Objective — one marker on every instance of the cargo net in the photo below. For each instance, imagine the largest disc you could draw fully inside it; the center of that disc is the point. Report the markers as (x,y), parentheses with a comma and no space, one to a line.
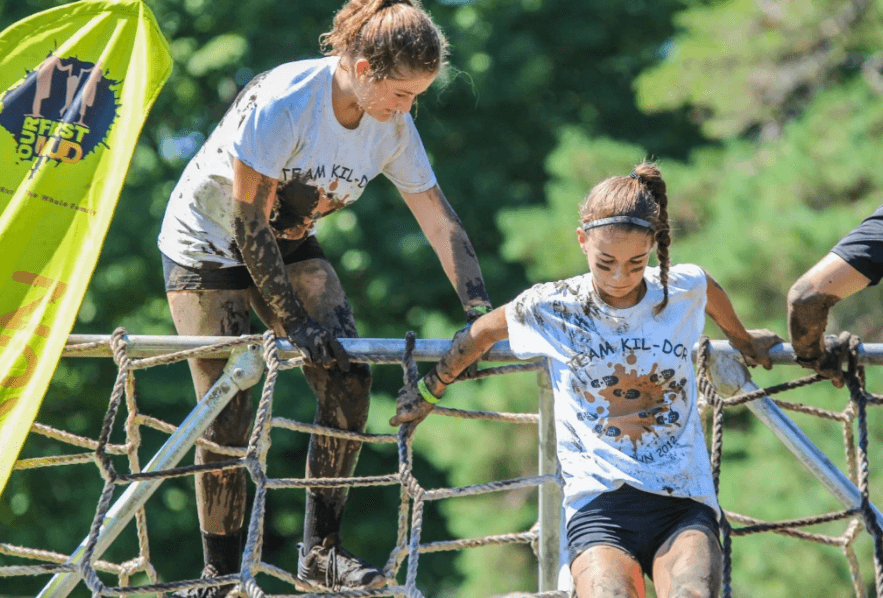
(253,459)
(413,495)
(855,413)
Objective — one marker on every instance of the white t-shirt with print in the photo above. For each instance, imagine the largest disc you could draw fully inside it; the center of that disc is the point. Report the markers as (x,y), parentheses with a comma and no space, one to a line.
(283,126)
(623,384)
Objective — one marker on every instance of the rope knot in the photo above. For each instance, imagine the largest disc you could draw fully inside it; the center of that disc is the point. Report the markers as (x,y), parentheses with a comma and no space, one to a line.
(119,347)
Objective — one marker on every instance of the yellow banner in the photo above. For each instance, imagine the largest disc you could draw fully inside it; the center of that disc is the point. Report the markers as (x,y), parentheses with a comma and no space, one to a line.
(76,83)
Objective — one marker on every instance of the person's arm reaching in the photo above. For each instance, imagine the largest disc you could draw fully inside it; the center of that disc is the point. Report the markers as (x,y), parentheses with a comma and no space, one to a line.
(253,197)
(445,234)
(753,344)
(416,400)
(811,298)
(809,301)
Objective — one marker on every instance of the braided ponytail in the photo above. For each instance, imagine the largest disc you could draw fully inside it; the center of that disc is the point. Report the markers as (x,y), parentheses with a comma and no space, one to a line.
(650,175)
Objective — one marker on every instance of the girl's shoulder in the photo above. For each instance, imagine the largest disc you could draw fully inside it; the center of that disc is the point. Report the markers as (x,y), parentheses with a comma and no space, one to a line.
(306,66)
(293,79)
(685,277)
(559,290)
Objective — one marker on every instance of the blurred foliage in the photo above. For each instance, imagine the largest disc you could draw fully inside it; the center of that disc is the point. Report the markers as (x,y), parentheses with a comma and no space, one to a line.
(747,64)
(766,118)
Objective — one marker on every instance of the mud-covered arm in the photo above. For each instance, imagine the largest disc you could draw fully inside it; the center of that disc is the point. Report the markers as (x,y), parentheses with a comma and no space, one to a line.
(415,401)
(811,298)
(253,197)
(753,344)
(445,233)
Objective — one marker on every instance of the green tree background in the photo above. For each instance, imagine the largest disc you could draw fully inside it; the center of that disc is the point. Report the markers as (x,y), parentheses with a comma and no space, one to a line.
(766,117)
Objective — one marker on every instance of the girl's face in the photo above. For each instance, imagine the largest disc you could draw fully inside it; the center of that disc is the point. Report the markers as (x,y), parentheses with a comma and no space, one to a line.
(381,99)
(617,259)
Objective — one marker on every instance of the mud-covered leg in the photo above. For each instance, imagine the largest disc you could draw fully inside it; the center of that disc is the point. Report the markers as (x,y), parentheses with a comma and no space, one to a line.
(343,404)
(220,496)
(343,399)
(689,565)
(342,396)
(603,571)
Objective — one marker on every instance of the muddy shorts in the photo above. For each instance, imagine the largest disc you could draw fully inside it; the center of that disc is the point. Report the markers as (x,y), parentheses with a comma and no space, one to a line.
(234,278)
(637,522)
(862,248)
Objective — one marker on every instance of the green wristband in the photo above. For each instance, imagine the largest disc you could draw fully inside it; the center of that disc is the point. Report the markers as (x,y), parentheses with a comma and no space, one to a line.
(481,309)
(424,392)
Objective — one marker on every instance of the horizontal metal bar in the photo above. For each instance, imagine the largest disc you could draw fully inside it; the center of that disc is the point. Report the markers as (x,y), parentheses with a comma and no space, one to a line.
(783,353)
(379,350)
(382,350)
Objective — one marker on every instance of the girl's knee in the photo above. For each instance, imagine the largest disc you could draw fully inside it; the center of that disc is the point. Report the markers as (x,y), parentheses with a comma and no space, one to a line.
(694,592)
(695,585)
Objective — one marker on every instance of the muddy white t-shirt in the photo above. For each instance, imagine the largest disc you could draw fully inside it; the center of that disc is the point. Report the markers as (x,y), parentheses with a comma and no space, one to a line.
(623,384)
(283,125)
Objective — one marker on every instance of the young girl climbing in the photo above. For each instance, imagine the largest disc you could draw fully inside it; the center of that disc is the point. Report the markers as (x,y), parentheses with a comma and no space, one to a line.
(300,142)
(639,496)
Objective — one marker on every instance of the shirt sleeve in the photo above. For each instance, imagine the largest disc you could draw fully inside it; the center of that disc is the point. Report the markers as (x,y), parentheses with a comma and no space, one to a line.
(409,169)
(528,337)
(265,139)
(862,248)
(688,278)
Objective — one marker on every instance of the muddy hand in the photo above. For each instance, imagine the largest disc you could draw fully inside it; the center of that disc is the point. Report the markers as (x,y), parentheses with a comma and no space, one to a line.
(410,406)
(317,344)
(830,367)
(758,352)
(830,363)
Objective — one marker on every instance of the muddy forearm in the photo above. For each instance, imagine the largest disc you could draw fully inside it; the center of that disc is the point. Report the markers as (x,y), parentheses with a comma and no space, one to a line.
(449,240)
(463,352)
(262,257)
(807,319)
(467,279)
(468,346)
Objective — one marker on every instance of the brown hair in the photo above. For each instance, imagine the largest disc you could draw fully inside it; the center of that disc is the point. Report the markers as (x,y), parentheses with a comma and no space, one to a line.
(641,195)
(397,37)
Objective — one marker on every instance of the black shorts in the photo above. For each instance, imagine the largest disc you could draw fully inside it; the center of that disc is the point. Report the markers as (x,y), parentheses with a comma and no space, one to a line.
(234,278)
(862,248)
(637,522)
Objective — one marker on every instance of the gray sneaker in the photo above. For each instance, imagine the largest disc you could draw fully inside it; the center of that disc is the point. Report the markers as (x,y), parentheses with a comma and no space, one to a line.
(328,564)
(209,592)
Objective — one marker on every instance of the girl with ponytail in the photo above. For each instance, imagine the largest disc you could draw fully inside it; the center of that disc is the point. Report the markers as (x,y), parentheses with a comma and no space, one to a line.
(639,496)
(300,142)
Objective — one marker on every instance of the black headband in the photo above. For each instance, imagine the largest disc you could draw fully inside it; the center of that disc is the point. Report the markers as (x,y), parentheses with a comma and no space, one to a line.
(618,220)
